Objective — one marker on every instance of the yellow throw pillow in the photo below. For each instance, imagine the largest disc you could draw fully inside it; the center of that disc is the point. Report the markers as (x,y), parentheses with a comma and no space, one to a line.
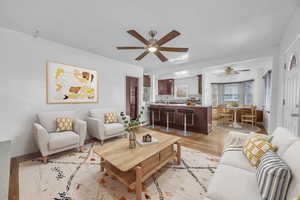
(111,117)
(64,124)
(255,148)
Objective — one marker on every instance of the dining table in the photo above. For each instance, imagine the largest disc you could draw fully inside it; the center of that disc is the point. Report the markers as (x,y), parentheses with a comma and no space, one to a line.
(235,109)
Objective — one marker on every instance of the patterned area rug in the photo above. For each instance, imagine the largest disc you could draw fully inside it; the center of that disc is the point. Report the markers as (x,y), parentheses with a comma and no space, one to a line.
(77,176)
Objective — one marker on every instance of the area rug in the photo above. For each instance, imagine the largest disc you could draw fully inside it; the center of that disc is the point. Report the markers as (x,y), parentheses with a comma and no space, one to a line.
(77,176)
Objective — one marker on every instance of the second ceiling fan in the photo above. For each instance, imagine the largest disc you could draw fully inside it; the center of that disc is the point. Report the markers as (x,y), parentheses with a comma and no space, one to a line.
(153,45)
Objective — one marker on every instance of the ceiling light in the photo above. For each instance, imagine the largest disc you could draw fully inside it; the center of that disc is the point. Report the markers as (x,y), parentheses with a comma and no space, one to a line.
(152,49)
(184,72)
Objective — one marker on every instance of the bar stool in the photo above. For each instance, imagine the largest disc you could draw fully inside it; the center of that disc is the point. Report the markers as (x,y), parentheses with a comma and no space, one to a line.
(185,113)
(152,111)
(168,111)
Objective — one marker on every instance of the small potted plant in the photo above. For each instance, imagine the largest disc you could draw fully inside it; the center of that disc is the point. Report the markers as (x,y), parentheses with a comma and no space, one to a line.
(132,126)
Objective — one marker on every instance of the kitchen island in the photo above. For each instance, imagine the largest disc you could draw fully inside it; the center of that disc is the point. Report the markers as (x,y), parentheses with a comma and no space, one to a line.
(198,118)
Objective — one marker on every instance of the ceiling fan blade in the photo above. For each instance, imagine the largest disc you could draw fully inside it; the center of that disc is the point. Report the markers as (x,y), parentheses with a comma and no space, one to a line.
(138,36)
(160,56)
(175,49)
(140,57)
(123,48)
(242,70)
(167,37)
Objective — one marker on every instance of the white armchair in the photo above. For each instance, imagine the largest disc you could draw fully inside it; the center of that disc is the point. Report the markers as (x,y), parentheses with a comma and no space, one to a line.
(98,129)
(49,141)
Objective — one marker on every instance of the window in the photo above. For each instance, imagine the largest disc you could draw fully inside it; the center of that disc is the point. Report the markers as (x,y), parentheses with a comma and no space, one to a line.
(226,93)
(231,93)
(268,88)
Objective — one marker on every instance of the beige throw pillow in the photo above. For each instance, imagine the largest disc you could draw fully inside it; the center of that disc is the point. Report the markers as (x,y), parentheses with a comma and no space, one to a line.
(255,148)
(111,117)
(64,124)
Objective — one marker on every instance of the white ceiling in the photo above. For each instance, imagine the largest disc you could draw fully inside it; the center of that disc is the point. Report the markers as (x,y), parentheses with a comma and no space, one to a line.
(212,29)
(257,64)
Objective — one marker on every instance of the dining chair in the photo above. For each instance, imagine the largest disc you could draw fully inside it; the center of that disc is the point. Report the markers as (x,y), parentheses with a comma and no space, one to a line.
(249,116)
(225,114)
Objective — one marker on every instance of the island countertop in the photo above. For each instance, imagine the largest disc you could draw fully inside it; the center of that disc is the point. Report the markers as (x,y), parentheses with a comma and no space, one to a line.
(181,105)
(198,120)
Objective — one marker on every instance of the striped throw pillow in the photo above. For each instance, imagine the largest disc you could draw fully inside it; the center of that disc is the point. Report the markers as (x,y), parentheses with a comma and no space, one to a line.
(273,177)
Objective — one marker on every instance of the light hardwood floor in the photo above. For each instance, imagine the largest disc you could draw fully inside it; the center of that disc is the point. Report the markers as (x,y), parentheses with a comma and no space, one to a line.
(212,143)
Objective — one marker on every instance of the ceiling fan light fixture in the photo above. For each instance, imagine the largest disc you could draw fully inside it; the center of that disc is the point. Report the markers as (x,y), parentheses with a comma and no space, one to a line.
(152,49)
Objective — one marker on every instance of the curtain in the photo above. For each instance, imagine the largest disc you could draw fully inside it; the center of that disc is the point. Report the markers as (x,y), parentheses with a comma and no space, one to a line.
(220,94)
(241,93)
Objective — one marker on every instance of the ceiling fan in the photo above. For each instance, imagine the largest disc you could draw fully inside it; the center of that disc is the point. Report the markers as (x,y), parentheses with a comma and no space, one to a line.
(153,45)
(231,71)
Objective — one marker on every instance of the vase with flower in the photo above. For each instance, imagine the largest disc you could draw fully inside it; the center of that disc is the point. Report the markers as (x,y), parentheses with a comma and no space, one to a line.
(131,126)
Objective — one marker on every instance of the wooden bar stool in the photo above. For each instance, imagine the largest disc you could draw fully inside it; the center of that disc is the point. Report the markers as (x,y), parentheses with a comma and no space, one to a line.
(185,114)
(168,111)
(153,111)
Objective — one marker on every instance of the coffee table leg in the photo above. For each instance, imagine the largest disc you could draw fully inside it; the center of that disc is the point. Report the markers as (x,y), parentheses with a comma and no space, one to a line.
(138,185)
(178,153)
(101,165)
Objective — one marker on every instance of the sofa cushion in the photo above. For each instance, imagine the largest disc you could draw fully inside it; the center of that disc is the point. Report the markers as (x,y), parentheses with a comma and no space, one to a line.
(59,140)
(291,157)
(48,119)
(99,113)
(237,159)
(113,129)
(283,138)
(231,183)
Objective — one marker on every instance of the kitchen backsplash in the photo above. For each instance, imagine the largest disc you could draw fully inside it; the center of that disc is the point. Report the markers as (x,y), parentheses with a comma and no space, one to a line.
(170,98)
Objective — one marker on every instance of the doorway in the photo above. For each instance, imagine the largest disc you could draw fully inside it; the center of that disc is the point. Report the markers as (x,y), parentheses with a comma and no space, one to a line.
(132,96)
(291,93)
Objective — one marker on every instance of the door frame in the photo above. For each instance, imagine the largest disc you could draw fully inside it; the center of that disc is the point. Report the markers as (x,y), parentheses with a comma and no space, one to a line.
(138,95)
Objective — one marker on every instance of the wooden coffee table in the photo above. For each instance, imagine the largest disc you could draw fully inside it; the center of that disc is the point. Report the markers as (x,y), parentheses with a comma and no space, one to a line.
(133,166)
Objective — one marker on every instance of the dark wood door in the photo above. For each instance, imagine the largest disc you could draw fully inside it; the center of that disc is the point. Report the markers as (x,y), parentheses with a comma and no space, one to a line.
(200,78)
(132,96)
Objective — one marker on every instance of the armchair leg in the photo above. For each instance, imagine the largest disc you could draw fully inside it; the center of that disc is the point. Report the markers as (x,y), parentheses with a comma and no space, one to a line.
(45,159)
(102,142)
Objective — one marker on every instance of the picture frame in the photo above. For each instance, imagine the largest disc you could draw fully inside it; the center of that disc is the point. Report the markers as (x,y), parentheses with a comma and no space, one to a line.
(182,91)
(71,84)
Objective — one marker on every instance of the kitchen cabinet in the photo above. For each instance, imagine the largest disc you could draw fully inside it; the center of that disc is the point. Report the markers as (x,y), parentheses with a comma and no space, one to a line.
(200,121)
(200,79)
(147,81)
(166,87)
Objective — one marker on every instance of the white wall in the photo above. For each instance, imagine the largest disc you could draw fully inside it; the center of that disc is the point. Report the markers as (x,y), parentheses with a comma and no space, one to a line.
(23,86)
(191,82)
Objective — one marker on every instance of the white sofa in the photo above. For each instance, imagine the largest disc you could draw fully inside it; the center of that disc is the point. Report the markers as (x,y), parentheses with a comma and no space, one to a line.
(98,129)
(235,178)
(49,141)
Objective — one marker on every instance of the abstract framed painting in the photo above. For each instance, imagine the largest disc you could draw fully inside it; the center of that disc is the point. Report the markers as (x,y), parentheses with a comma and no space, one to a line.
(68,84)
